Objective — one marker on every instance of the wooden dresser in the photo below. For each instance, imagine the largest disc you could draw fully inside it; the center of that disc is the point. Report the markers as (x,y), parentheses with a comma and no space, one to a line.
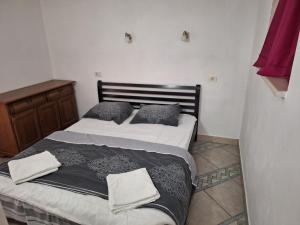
(31,113)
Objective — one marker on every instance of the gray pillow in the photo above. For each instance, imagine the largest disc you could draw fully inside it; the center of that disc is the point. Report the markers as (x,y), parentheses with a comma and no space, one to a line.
(116,111)
(158,114)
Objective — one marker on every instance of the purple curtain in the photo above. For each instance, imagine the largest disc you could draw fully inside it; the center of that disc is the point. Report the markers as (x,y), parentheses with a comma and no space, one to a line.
(277,56)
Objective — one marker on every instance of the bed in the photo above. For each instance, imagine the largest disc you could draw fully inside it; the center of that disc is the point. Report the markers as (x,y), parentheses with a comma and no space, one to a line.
(54,201)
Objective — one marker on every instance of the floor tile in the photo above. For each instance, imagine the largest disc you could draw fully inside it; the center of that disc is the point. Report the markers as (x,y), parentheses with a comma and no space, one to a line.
(233,149)
(240,219)
(218,176)
(229,195)
(203,166)
(203,146)
(238,180)
(220,158)
(205,211)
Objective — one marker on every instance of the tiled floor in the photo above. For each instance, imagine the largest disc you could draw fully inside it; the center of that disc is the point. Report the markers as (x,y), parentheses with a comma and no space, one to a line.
(219,198)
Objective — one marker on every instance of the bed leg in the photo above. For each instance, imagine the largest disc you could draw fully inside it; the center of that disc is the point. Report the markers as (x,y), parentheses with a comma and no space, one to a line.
(3,219)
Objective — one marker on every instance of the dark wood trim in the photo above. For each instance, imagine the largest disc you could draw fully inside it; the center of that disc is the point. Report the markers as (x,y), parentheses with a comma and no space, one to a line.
(197,100)
(100,91)
(128,91)
(194,136)
(181,87)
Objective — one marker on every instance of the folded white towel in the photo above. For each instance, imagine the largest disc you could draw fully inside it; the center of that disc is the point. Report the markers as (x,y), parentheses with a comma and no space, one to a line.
(130,190)
(29,168)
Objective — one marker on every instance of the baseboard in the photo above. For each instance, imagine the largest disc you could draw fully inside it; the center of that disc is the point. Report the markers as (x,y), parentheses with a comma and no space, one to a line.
(221,140)
(245,185)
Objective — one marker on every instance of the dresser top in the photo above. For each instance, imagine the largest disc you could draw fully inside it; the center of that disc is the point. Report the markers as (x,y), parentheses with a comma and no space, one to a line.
(12,96)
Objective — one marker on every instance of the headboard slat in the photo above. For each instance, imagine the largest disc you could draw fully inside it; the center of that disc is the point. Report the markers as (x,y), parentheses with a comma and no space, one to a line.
(189,107)
(149,98)
(129,91)
(150,86)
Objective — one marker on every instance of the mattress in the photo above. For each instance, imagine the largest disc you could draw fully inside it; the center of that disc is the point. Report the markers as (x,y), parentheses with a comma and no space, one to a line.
(176,136)
(95,210)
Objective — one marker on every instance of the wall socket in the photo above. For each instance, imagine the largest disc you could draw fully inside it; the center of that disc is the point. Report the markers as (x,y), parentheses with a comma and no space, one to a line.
(98,74)
(212,78)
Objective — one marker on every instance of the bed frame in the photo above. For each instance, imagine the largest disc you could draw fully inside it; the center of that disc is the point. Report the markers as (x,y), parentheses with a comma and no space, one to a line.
(188,97)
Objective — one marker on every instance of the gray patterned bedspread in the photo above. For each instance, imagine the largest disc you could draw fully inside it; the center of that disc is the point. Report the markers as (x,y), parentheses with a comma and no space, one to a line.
(88,159)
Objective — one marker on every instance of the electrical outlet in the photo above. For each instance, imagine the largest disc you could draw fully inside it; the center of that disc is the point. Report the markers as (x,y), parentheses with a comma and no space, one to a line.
(98,74)
(212,78)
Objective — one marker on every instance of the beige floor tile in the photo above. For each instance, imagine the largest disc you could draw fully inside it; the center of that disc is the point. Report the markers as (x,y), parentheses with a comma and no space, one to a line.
(205,211)
(202,146)
(220,158)
(238,180)
(233,149)
(203,166)
(229,195)
(234,223)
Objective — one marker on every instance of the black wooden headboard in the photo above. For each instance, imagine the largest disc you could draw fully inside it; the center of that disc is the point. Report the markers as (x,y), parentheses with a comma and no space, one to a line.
(187,96)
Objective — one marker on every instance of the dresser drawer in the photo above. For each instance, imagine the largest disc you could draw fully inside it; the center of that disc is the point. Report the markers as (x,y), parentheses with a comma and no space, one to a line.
(58,93)
(53,95)
(66,91)
(27,103)
(39,100)
(21,106)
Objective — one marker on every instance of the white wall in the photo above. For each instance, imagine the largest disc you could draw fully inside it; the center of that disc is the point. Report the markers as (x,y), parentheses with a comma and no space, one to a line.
(270,144)
(88,35)
(24,57)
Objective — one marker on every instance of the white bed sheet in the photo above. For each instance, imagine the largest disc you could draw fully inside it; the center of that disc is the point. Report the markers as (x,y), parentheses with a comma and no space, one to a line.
(176,136)
(94,210)
(82,209)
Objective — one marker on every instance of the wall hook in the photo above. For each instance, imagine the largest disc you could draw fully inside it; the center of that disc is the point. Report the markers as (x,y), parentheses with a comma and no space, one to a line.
(185,36)
(128,37)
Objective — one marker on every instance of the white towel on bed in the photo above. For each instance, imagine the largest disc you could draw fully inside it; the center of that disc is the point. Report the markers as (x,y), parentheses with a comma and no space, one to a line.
(29,168)
(130,190)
